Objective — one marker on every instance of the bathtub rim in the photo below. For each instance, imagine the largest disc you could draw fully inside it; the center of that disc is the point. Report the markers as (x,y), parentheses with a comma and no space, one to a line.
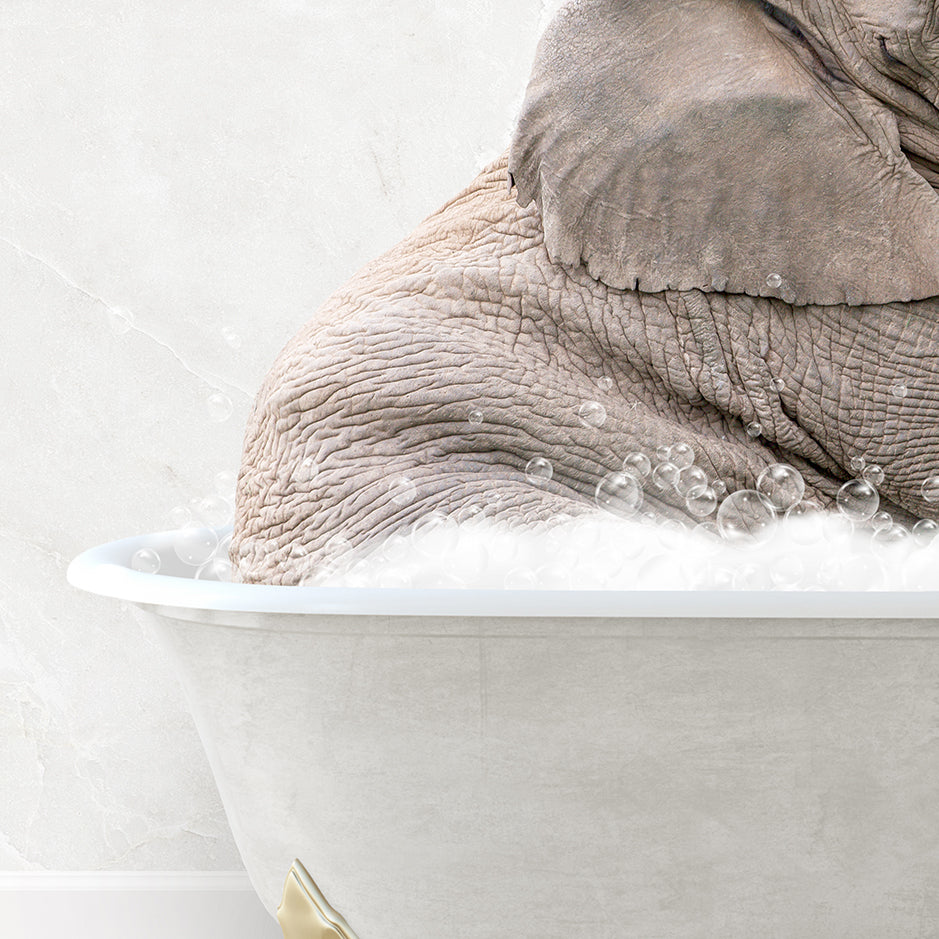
(105,570)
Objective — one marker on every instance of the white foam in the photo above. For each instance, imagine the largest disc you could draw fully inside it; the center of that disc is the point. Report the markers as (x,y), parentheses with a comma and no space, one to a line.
(603,552)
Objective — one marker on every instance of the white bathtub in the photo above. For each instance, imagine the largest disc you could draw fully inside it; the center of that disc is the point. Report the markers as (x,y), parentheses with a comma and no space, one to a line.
(538,765)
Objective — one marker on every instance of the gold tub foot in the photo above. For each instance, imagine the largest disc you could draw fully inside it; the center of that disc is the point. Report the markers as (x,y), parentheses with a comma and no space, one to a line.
(304,913)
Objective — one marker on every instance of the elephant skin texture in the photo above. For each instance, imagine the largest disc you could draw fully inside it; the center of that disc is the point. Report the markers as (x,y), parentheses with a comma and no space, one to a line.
(595,293)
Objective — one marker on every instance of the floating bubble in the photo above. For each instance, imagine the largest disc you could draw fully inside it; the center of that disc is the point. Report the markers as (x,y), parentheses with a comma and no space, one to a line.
(701,502)
(592,414)
(435,535)
(180,516)
(857,464)
(638,464)
(681,454)
(219,407)
(930,489)
(808,522)
(194,545)
(215,569)
(773,281)
(777,384)
(214,511)
(754,429)
(881,520)
(899,390)
(924,531)
(690,479)
(619,493)
(873,474)
(231,337)
(719,487)
(662,454)
(605,383)
(224,483)
(858,500)
(782,485)
(475,416)
(120,320)
(744,516)
(146,560)
(891,534)
(665,476)
(708,529)
(402,489)
(538,470)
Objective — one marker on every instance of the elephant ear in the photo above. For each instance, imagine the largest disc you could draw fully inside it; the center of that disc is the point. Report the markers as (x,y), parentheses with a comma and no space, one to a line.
(676,145)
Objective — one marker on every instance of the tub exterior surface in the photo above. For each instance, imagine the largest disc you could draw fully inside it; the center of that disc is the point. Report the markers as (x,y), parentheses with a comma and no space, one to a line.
(465,778)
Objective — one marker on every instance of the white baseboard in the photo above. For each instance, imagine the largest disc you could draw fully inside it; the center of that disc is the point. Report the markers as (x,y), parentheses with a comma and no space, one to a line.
(132,905)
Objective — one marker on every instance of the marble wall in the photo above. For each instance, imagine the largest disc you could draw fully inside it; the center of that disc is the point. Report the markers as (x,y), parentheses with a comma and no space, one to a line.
(181,185)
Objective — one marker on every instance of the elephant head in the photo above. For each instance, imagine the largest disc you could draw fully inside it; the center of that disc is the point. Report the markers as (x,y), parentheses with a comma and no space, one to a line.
(720,229)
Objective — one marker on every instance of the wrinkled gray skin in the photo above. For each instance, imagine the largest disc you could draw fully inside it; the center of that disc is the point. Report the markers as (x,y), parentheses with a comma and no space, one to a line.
(670,157)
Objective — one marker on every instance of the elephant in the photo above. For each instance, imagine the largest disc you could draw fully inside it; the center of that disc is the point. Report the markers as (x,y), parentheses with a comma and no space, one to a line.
(717,225)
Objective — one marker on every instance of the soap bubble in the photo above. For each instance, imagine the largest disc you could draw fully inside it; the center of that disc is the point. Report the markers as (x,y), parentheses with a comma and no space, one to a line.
(402,489)
(681,454)
(744,516)
(708,530)
(924,531)
(857,464)
(224,483)
(751,576)
(638,464)
(619,494)
(194,545)
(774,281)
(219,407)
(592,414)
(691,479)
(662,454)
(891,534)
(469,512)
(881,520)
(215,569)
(605,383)
(538,470)
(521,578)
(808,522)
(120,320)
(899,390)
(858,500)
(719,487)
(665,476)
(395,579)
(930,489)
(701,502)
(180,516)
(873,474)
(146,560)
(214,511)
(787,571)
(435,535)
(777,384)
(782,485)
(231,337)
(754,429)
(475,416)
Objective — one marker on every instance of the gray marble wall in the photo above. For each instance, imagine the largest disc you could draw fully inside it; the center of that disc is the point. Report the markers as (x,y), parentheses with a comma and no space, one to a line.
(181,185)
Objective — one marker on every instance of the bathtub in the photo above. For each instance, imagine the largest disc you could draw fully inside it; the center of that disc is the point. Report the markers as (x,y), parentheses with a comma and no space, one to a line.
(538,765)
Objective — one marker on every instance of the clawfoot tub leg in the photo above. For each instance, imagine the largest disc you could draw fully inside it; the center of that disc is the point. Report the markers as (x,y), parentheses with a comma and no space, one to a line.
(304,912)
